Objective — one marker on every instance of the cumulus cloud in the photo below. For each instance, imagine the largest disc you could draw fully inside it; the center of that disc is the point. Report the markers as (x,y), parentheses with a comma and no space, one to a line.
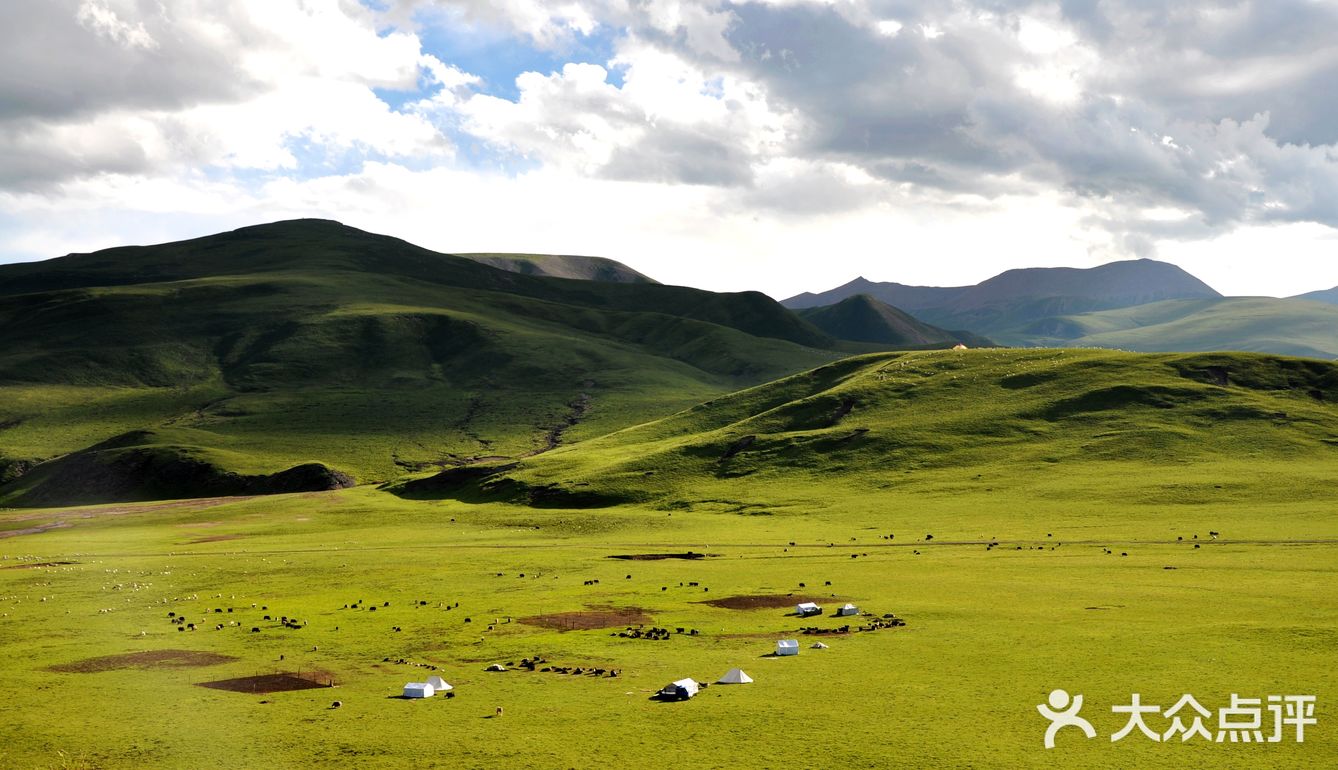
(1128,128)
(162,88)
(668,121)
(1208,106)
(102,19)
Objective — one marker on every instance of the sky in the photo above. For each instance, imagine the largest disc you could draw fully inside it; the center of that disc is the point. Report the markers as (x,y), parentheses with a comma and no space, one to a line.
(775,145)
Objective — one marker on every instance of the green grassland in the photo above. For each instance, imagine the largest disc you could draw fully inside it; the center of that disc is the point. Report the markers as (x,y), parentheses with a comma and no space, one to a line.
(307,341)
(1296,327)
(1066,459)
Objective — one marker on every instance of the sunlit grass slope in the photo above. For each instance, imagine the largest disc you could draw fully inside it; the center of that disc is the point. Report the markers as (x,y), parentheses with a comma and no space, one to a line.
(309,341)
(882,421)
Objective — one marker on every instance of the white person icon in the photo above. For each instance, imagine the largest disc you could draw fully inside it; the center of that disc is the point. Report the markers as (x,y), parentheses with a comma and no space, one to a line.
(1063,712)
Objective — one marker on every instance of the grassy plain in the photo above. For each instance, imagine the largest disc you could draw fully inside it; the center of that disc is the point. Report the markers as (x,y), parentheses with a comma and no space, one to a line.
(990,631)
(1068,460)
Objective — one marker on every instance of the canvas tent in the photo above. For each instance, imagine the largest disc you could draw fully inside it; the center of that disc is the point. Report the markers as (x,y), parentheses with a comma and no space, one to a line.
(680,690)
(438,684)
(787,647)
(735,676)
(418,690)
(808,608)
(849,609)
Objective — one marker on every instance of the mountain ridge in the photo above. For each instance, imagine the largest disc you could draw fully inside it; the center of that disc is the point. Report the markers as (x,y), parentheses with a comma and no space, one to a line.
(308,343)
(861,318)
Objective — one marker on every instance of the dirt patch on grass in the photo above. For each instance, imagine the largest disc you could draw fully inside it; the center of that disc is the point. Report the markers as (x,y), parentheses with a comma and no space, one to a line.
(215,539)
(93,512)
(147,659)
(39,529)
(756,601)
(268,683)
(592,618)
(40,564)
(658,556)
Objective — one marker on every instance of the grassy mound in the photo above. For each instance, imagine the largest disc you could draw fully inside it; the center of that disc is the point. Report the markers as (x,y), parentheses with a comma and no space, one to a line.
(878,420)
(145,466)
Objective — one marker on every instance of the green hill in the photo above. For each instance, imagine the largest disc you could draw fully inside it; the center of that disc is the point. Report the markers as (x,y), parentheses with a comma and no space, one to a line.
(879,421)
(563,266)
(308,342)
(1260,324)
(862,318)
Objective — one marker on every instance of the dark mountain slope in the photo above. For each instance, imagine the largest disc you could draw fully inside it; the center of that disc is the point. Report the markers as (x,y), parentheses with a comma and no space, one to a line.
(862,318)
(999,307)
(563,266)
(910,298)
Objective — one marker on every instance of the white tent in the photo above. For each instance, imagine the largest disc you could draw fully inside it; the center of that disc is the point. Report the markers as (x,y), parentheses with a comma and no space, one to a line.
(439,684)
(680,690)
(808,608)
(787,647)
(418,690)
(735,676)
(849,609)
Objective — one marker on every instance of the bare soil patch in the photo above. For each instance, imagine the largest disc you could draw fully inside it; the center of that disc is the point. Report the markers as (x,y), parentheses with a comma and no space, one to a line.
(756,601)
(658,556)
(592,618)
(99,511)
(215,539)
(267,683)
(147,659)
(37,530)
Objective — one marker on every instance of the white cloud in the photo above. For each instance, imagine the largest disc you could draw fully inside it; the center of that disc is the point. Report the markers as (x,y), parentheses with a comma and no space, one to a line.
(669,120)
(309,69)
(785,145)
(98,16)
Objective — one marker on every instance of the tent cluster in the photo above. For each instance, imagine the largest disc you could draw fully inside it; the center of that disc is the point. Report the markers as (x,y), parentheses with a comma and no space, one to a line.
(809,609)
(432,686)
(684,689)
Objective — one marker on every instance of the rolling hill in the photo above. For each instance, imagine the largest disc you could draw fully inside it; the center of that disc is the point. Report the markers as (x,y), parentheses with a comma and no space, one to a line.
(308,343)
(563,266)
(1259,324)
(876,422)
(862,318)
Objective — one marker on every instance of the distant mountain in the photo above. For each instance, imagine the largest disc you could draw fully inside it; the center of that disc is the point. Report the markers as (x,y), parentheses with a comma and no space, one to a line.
(1001,306)
(1328,295)
(1259,324)
(900,295)
(297,354)
(862,318)
(563,266)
